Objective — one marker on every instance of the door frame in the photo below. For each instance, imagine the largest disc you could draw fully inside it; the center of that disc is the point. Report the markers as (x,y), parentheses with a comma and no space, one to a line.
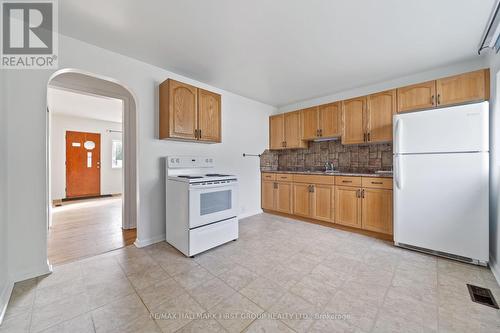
(107,87)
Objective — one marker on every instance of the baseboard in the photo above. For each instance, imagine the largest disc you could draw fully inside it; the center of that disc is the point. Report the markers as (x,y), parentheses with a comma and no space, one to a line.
(495,268)
(248,214)
(4,298)
(43,270)
(145,242)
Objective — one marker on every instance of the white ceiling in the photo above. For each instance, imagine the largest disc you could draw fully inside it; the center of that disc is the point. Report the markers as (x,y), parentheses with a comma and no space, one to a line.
(84,106)
(282,51)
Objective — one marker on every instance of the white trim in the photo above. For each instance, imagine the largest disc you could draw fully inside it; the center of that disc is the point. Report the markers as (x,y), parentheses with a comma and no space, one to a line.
(4,299)
(43,270)
(495,268)
(145,242)
(249,214)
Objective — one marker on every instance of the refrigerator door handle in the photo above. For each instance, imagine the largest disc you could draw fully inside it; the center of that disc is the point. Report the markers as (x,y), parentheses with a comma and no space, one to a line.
(397,134)
(398,176)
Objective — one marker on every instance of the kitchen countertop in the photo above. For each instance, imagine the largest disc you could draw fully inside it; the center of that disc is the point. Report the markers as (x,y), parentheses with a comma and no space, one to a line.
(336,173)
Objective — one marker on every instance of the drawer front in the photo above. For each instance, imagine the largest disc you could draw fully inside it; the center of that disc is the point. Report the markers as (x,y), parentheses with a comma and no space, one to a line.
(268,176)
(348,181)
(314,179)
(377,182)
(284,177)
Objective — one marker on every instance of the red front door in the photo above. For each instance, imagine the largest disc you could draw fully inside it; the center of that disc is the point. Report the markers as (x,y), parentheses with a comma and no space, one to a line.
(83,163)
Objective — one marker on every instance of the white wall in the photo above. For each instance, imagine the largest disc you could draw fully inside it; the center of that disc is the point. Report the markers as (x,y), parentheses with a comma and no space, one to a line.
(111,179)
(480,62)
(495,165)
(4,276)
(244,130)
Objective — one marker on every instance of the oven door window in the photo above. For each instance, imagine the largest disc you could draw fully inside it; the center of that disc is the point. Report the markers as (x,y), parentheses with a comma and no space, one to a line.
(213,202)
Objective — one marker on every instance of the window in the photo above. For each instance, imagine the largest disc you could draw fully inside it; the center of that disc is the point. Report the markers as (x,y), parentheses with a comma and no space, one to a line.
(117,154)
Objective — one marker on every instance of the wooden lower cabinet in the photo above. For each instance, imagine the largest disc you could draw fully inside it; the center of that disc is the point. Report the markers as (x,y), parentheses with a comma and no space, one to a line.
(283,197)
(323,201)
(277,196)
(366,203)
(348,206)
(302,199)
(267,194)
(377,210)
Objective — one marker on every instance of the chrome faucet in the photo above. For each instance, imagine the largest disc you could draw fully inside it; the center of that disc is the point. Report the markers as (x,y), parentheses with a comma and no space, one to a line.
(329,167)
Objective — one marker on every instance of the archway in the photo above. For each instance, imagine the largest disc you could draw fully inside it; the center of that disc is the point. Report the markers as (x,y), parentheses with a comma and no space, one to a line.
(81,82)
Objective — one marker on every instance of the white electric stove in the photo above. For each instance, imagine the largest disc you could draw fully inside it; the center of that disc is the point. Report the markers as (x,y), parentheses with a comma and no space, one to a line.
(202,205)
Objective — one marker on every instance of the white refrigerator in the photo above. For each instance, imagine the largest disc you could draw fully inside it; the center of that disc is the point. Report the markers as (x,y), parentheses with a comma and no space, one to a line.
(441,181)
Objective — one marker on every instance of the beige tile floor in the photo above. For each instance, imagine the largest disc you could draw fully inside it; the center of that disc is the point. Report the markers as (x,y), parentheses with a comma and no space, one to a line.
(280,276)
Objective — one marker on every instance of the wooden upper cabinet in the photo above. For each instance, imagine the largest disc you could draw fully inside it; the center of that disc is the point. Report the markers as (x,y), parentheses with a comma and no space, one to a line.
(310,123)
(348,206)
(209,116)
(178,110)
(377,210)
(353,120)
(329,116)
(381,107)
(417,96)
(468,87)
(276,132)
(293,137)
(189,113)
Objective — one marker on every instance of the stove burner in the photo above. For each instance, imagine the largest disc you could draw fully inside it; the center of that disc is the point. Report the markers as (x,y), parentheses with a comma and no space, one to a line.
(216,175)
(190,177)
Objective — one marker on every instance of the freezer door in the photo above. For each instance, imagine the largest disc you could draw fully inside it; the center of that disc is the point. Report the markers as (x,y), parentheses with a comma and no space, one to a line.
(441,203)
(455,129)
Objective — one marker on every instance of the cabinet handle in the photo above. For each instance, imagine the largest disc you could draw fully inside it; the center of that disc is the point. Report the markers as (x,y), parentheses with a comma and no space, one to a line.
(368,136)
(347,181)
(199,133)
(432,99)
(284,144)
(312,188)
(379,183)
(275,185)
(320,132)
(364,137)
(439,99)
(358,193)
(363,193)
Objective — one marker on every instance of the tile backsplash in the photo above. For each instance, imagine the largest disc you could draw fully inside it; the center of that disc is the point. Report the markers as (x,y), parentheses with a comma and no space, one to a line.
(344,157)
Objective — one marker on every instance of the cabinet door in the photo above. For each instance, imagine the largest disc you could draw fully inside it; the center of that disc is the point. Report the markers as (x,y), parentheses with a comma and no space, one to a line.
(468,87)
(309,119)
(301,200)
(209,116)
(293,137)
(267,195)
(323,202)
(348,206)
(284,198)
(353,115)
(276,132)
(417,96)
(377,210)
(329,120)
(183,110)
(379,113)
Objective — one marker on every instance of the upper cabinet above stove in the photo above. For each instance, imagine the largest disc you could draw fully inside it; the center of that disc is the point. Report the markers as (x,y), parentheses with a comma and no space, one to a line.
(189,113)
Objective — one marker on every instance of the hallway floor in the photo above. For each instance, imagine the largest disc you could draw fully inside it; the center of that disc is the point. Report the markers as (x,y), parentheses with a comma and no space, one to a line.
(281,275)
(86,228)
